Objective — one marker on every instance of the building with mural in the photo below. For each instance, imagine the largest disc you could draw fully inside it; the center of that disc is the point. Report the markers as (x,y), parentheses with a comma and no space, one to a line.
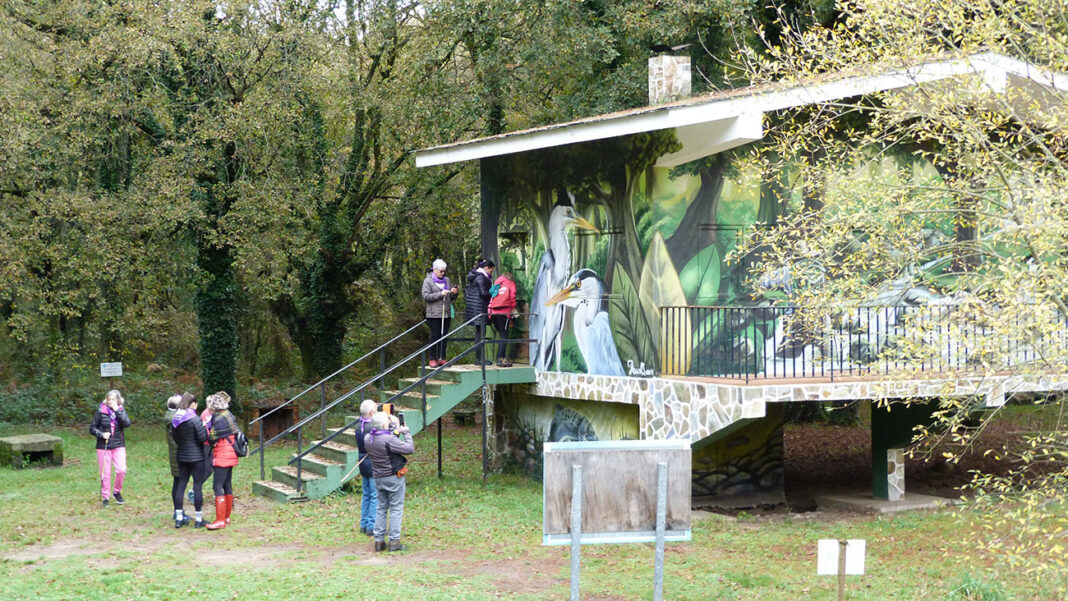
(621,231)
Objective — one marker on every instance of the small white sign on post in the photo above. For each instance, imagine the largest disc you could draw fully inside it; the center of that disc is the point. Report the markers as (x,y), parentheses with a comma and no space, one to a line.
(828,556)
(110,370)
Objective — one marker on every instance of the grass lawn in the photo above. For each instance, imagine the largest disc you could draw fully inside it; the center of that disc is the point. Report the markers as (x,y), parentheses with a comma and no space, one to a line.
(466,542)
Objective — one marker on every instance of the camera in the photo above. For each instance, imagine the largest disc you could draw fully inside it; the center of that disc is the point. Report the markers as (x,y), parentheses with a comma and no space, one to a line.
(391,409)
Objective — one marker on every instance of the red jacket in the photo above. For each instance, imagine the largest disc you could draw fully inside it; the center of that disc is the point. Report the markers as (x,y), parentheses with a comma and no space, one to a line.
(221,436)
(504,302)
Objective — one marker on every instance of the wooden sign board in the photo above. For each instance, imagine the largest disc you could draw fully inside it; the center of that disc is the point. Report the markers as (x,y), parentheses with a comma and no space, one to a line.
(619,490)
(110,370)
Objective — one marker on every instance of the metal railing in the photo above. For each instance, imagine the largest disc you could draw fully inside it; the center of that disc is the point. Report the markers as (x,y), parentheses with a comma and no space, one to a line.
(775,343)
(478,343)
(380,351)
(424,374)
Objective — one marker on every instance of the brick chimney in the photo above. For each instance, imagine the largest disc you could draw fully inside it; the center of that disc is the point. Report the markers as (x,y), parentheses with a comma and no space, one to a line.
(669,78)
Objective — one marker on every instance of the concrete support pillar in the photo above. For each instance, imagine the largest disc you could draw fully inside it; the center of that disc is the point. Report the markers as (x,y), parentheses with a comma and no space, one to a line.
(895,474)
(892,428)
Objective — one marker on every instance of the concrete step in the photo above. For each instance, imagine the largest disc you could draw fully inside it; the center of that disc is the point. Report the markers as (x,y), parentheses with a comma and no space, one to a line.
(313,485)
(276,491)
(321,465)
(346,438)
(413,398)
(432,386)
(337,451)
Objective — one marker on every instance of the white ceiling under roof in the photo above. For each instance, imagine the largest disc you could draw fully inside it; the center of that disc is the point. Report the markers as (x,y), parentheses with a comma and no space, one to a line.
(718,121)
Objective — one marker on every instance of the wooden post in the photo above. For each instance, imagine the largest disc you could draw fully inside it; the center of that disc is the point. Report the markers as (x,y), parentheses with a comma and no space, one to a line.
(841,569)
(576,528)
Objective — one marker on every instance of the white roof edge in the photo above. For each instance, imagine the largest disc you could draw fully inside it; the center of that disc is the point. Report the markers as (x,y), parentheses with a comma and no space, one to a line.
(715,109)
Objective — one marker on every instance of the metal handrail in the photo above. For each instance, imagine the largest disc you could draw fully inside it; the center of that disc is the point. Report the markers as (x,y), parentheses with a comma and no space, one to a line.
(380,348)
(419,381)
(362,386)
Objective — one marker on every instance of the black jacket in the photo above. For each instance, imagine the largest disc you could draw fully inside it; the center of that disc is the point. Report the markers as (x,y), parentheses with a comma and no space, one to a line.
(190,436)
(362,430)
(476,294)
(102,423)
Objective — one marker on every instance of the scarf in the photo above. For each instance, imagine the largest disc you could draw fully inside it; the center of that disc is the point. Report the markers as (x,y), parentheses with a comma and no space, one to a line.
(441,282)
(114,418)
(182,415)
(377,431)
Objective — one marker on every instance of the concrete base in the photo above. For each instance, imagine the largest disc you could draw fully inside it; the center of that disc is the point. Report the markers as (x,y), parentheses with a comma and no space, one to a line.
(18,451)
(864,503)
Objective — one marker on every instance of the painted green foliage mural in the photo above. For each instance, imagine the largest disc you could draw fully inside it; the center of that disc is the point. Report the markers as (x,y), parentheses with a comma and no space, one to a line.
(607,238)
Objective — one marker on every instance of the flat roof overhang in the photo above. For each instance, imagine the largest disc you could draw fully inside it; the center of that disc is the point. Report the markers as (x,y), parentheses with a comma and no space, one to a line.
(722,120)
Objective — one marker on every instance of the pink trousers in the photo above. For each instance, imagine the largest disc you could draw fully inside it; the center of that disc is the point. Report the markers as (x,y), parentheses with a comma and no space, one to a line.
(104,460)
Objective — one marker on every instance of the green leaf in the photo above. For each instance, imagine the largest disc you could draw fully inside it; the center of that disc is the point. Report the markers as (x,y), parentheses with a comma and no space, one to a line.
(701,276)
(660,287)
(629,330)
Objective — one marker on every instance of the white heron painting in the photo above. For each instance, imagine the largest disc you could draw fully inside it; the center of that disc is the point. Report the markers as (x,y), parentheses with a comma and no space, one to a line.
(548,320)
(585,294)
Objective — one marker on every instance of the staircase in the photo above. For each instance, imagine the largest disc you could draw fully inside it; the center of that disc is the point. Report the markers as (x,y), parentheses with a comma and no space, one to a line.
(332,465)
(327,464)
(448,388)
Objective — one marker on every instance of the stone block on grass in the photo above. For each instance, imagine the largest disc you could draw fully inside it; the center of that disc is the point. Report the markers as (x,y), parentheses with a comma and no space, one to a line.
(18,451)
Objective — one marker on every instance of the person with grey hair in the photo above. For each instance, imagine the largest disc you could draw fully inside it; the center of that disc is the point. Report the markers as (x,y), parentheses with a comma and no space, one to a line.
(437,293)
(387,447)
(369,498)
(108,426)
(221,431)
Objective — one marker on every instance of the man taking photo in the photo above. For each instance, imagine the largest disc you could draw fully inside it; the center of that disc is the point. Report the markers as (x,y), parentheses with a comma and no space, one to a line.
(387,446)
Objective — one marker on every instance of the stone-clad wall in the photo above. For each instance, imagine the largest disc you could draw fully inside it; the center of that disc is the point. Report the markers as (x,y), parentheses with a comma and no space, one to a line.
(694,409)
(669,408)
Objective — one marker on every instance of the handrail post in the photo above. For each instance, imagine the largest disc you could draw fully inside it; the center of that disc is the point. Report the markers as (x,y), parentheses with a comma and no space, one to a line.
(300,449)
(263,474)
(439,447)
(322,407)
(422,376)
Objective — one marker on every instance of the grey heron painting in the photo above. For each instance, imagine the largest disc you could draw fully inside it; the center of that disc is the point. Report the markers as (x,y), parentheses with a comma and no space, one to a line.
(548,320)
(585,294)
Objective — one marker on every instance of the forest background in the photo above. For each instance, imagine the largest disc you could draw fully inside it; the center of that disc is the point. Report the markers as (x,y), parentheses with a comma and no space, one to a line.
(224,192)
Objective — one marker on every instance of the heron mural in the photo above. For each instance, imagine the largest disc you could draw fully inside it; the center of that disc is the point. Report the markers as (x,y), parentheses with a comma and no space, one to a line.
(616,238)
(585,294)
(546,320)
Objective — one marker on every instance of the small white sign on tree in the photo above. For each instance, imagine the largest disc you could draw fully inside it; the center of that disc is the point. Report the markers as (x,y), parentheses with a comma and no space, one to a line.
(110,370)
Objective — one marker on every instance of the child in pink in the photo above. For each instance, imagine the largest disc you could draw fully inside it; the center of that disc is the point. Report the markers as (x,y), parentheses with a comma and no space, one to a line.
(108,426)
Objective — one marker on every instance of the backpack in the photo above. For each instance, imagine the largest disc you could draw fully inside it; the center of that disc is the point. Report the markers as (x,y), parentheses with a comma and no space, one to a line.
(240,444)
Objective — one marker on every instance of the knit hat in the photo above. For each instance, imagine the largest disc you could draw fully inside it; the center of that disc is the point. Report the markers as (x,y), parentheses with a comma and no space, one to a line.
(218,402)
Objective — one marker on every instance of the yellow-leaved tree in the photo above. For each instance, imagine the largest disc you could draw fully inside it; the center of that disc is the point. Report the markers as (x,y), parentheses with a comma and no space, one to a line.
(950,193)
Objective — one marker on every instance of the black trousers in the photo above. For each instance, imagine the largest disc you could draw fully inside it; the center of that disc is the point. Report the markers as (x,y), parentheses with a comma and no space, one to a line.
(223,484)
(185,470)
(480,334)
(205,466)
(500,323)
(438,328)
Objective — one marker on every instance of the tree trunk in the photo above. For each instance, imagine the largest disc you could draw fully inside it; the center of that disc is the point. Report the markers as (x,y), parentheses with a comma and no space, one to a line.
(698,226)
